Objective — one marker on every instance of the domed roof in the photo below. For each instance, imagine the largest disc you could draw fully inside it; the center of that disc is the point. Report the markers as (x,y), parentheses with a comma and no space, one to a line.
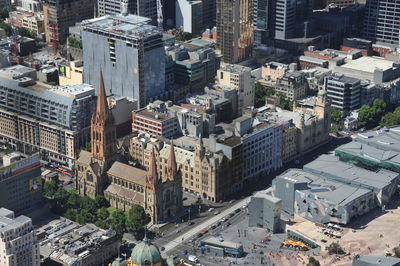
(118,262)
(145,253)
(322,93)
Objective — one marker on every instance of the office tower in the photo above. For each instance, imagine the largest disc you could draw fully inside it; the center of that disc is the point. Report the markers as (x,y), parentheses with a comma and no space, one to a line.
(21,183)
(144,8)
(285,19)
(168,10)
(381,21)
(59,15)
(18,243)
(209,13)
(263,19)
(235,29)
(341,3)
(129,52)
(189,16)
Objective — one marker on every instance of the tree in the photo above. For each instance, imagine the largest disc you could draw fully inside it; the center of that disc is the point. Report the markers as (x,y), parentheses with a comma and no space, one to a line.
(118,220)
(101,201)
(6,27)
(285,103)
(26,33)
(313,262)
(74,200)
(73,42)
(70,214)
(5,12)
(335,248)
(261,93)
(370,116)
(84,217)
(103,213)
(391,119)
(335,128)
(336,115)
(102,224)
(88,204)
(135,220)
(50,188)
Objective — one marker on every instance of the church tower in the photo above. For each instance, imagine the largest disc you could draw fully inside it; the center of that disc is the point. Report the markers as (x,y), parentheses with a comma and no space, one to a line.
(152,183)
(103,134)
(171,169)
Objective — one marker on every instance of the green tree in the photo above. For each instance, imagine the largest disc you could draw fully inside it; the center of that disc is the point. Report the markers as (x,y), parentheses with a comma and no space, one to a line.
(103,213)
(5,12)
(335,128)
(371,116)
(26,33)
(313,262)
(73,42)
(84,217)
(261,93)
(6,27)
(88,204)
(61,196)
(336,115)
(101,201)
(118,220)
(50,188)
(391,119)
(135,220)
(74,200)
(70,214)
(285,103)
(335,248)
(102,224)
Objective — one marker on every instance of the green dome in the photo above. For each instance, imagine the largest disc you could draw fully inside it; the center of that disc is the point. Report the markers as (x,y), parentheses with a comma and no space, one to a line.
(322,93)
(118,262)
(145,253)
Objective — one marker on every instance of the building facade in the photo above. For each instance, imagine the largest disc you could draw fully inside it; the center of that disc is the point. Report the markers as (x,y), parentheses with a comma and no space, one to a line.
(189,16)
(59,15)
(29,20)
(293,85)
(131,54)
(70,73)
(234,29)
(18,240)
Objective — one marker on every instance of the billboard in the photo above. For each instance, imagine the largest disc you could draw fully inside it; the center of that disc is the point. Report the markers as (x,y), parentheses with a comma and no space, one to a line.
(35,184)
(19,166)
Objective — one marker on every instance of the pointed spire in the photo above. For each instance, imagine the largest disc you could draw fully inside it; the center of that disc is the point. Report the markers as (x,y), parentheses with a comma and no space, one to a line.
(152,174)
(171,163)
(102,106)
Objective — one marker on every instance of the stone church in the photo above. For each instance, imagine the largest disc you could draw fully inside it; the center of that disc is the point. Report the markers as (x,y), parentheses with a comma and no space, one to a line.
(99,172)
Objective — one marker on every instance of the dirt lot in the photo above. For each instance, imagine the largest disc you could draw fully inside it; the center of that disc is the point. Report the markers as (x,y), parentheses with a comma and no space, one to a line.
(372,234)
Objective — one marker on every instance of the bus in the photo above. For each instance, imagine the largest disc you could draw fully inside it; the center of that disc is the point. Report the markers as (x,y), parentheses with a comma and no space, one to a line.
(227,248)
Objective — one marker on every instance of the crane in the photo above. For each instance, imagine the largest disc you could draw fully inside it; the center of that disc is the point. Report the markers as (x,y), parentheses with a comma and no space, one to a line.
(159,14)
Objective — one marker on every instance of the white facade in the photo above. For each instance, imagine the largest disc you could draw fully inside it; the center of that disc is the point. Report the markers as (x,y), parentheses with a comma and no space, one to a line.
(31,5)
(18,244)
(189,15)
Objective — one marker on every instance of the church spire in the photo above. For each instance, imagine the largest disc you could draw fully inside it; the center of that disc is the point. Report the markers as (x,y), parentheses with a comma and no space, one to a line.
(152,173)
(102,106)
(171,168)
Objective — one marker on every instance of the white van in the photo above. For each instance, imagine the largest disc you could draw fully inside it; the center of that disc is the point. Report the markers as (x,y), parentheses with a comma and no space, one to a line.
(193,258)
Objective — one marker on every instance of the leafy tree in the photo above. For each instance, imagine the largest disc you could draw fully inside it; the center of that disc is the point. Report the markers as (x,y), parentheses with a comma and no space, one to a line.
(101,201)
(103,213)
(84,217)
(261,93)
(135,220)
(335,128)
(50,188)
(88,204)
(285,103)
(5,12)
(6,27)
(73,42)
(27,33)
(70,214)
(61,196)
(102,224)
(313,262)
(396,251)
(118,220)
(391,119)
(74,200)
(336,115)
(335,248)
(370,116)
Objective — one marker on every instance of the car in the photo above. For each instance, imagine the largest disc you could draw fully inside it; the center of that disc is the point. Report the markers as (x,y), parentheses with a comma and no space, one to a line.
(211,209)
(219,223)
(190,223)
(184,198)
(162,248)
(231,201)
(224,220)
(192,240)
(199,235)
(237,210)
(204,232)
(231,214)
(217,212)
(228,223)
(244,206)
(213,226)
(193,258)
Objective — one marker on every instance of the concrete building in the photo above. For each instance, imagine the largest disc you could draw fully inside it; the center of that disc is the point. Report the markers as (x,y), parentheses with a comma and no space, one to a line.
(34,22)
(54,121)
(63,242)
(341,3)
(293,85)
(129,51)
(273,70)
(18,241)
(21,184)
(143,8)
(234,29)
(70,73)
(121,109)
(31,5)
(189,16)
(263,21)
(59,15)
(344,92)
(239,78)
(285,19)
(212,103)
(265,212)
(381,21)
(369,260)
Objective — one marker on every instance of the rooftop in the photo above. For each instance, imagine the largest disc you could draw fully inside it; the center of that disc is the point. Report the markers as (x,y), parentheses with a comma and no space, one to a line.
(235,68)
(153,115)
(368,64)
(387,139)
(9,222)
(128,173)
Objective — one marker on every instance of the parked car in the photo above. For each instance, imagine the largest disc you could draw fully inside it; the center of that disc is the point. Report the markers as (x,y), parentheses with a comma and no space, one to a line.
(237,210)
(211,209)
(190,223)
(217,212)
(193,258)
(204,232)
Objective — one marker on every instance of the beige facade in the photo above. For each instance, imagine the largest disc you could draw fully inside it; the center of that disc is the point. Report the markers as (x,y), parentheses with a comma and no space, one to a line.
(289,144)
(71,73)
(29,20)
(272,71)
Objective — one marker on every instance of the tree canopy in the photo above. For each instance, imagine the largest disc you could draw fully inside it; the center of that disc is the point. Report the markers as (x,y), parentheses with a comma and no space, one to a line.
(336,115)
(370,116)
(260,94)
(73,42)
(135,220)
(313,262)
(391,119)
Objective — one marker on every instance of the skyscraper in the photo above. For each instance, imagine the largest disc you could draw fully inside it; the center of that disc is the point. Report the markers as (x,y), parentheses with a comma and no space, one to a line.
(235,29)
(263,17)
(381,21)
(129,51)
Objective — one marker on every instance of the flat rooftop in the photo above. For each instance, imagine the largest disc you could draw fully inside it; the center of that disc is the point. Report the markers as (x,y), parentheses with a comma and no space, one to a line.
(387,139)
(368,64)
(235,68)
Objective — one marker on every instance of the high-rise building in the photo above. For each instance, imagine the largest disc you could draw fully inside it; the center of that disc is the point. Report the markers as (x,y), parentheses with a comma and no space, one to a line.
(235,29)
(263,19)
(59,15)
(341,3)
(285,19)
(144,8)
(381,21)
(21,183)
(209,13)
(18,243)
(189,16)
(129,51)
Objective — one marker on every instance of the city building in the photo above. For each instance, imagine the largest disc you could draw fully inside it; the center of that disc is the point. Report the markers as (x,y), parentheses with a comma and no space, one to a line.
(362,260)
(35,117)
(143,8)
(5,3)
(59,15)
(213,102)
(209,14)
(341,3)
(129,51)
(63,242)
(100,173)
(189,16)
(21,183)
(121,109)
(31,5)
(34,22)
(273,70)
(293,85)
(70,73)
(381,21)
(263,21)
(239,78)
(344,92)
(234,29)
(265,212)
